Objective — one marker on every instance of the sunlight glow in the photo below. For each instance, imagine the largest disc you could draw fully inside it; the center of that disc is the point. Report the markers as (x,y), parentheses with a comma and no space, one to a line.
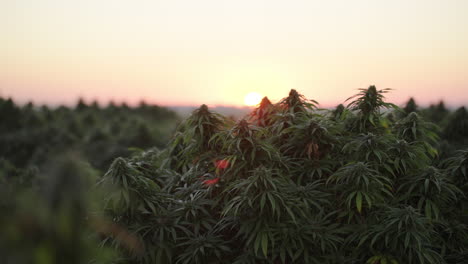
(252,99)
(131,50)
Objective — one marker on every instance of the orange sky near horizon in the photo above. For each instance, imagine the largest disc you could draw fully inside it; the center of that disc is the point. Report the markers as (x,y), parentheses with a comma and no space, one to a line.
(215,52)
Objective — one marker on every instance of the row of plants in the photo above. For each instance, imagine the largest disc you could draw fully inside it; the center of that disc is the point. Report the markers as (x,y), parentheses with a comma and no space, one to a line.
(29,135)
(50,160)
(452,126)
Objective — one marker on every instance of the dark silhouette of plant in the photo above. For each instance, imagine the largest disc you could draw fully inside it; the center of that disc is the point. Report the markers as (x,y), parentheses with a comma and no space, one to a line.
(193,137)
(296,103)
(411,106)
(368,105)
(264,114)
(339,114)
(437,113)
(457,127)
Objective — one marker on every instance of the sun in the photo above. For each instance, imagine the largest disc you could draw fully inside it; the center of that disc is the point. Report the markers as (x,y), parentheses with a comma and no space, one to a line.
(252,99)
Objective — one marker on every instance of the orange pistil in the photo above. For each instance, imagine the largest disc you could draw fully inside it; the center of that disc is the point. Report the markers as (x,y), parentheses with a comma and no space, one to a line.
(211,182)
(222,164)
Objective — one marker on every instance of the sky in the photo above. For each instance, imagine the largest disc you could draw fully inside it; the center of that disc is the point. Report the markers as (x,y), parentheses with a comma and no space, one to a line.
(191,52)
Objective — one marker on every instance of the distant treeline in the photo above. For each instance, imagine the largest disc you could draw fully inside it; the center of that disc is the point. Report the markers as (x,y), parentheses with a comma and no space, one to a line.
(30,135)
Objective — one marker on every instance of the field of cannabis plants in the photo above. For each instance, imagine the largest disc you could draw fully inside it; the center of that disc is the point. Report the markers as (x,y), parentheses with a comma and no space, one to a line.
(31,135)
(290,183)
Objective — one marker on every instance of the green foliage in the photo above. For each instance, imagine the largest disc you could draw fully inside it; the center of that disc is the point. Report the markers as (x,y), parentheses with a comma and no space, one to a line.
(458,167)
(430,191)
(28,135)
(51,212)
(404,157)
(368,104)
(401,235)
(359,186)
(308,138)
(289,183)
(52,220)
(294,184)
(191,142)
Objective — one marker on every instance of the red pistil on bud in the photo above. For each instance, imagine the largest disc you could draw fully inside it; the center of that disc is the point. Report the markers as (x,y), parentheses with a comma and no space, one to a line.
(211,182)
(222,164)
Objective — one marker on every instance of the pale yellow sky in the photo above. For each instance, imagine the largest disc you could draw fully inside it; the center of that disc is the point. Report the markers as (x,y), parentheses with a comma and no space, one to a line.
(215,52)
